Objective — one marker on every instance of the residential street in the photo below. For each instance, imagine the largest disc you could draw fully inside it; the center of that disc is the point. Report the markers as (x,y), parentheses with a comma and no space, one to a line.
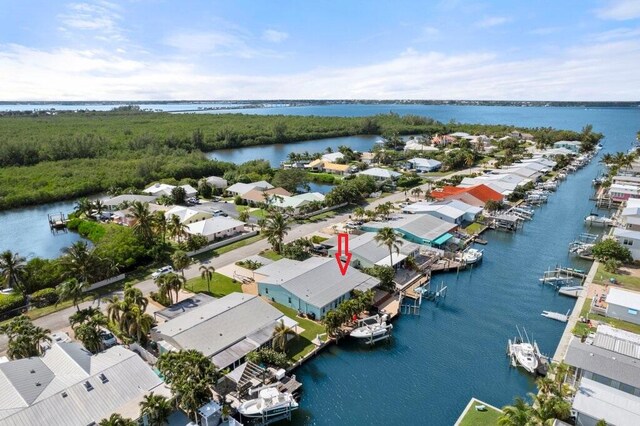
(59,320)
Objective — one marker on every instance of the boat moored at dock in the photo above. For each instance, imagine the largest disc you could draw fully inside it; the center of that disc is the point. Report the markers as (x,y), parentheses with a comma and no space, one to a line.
(269,405)
(372,329)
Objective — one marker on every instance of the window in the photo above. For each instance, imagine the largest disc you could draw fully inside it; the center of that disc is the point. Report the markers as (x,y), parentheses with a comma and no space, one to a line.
(632,312)
(266,290)
(627,242)
(289,300)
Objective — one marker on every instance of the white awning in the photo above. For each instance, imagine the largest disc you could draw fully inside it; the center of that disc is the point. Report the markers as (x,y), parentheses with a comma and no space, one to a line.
(599,401)
(397,258)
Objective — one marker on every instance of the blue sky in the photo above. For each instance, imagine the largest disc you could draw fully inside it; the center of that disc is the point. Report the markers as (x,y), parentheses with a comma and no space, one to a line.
(165,49)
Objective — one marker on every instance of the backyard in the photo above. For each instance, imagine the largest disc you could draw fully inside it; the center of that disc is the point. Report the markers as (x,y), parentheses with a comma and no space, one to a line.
(301,345)
(628,276)
(221,285)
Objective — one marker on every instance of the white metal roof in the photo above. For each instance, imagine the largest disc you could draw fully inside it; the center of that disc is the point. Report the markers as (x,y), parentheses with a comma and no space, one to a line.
(379,172)
(600,401)
(185,213)
(626,298)
(213,225)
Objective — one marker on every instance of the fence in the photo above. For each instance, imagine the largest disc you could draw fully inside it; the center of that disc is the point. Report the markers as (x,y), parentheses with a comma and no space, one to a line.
(324,210)
(222,243)
(106,282)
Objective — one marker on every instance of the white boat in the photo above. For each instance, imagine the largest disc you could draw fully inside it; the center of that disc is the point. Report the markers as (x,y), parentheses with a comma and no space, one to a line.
(595,220)
(556,315)
(471,256)
(269,403)
(524,355)
(372,329)
(571,291)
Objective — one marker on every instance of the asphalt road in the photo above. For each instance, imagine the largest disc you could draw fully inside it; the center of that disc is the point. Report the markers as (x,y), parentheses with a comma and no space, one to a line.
(60,319)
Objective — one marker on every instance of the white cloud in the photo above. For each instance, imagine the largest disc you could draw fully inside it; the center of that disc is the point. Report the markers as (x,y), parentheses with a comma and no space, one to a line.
(616,34)
(100,17)
(274,36)
(492,21)
(619,10)
(595,71)
(216,43)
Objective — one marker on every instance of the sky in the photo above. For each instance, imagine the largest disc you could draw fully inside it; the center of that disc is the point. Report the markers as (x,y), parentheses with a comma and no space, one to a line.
(580,50)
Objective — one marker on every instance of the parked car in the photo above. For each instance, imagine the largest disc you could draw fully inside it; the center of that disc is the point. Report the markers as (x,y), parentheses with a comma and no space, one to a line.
(108,339)
(162,271)
(219,213)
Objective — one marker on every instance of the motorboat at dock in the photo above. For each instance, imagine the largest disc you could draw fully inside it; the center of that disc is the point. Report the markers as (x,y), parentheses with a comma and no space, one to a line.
(595,220)
(525,354)
(270,403)
(372,329)
(471,256)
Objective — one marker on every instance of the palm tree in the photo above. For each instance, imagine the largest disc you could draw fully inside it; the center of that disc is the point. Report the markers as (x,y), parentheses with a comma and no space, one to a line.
(276,228)
(156,408)
(518,414)
(180,261)
(389,237)
(135,323)
(176,228)
(87,327)
(160,225)
(243,216)
(114,309)
(117,420)
(83,206)
(80,262)
(83,316)
(416,192)
(606,159)
(359,212)
(280,336)
(170,282)
(370,214)
(136,296)
(98,206)
(332,322)
(384,210)
(142,222)
(206,273)
(71,289)
(12,269)
(25,340)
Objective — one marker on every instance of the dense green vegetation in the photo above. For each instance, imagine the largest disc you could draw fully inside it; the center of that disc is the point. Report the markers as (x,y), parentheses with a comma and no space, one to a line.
(52,157)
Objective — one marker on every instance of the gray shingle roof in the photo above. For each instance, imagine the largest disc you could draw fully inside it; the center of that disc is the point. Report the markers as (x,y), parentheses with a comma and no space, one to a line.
(603,362)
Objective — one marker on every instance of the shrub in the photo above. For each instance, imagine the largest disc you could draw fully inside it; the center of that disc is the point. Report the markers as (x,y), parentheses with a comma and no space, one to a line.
(44,297)
(160,298)
(270,357)
(9,304)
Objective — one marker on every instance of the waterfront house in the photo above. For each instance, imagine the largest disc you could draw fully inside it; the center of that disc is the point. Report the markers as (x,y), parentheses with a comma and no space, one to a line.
(187,215)
(500,182)
(367,157)
(630,239)
(521,136)
(607,381)
(296,202)
(336,169)
(420,229)
(332,157)
(521,170)
(68,386)
(622,192)
(313,286)
(461,135)
(547,163)
(623,305)
(243,188)
(114,203)
(573,146)
(453,211)
(217,182)
(380,174)
(423,165)
(216,228)
(626,180)
(476,195)
(366,252)
(630,215)
(443,140)
(414,145)
(224,330)
(255,196)
(159,189)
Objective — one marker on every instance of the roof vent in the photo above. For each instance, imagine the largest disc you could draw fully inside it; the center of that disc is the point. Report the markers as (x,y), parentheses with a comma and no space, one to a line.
(33,371)
(64,394)
(103,378)
(88,386)
(38,384)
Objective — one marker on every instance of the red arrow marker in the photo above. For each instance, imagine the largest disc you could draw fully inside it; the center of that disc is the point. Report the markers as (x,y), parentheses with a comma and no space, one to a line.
(343,243)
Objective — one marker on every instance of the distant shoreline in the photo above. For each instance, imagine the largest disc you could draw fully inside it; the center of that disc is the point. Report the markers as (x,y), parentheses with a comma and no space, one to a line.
(248,103)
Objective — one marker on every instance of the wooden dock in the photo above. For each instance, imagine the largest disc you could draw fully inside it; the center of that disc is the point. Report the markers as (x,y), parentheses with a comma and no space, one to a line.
(572,272)
(445,265)
(410,292)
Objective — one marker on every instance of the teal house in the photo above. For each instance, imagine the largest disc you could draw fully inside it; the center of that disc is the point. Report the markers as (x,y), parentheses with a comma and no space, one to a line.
(420,229)
(313,287)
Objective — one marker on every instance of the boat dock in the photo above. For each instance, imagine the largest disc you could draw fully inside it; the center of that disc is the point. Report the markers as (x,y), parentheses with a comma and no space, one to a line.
(57,221)
(446,265)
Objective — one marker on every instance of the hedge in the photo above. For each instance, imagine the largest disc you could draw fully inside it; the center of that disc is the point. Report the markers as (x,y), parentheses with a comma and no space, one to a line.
(9,304)
(44,297)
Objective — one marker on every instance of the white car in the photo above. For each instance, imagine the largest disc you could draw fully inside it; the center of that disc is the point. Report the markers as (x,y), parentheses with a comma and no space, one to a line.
(108,339)
(162,271)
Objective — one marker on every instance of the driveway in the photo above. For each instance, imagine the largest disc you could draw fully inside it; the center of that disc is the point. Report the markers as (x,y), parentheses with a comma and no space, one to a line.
(229,208)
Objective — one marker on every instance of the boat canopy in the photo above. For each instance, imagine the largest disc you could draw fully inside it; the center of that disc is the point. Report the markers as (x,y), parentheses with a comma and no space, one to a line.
(442,239)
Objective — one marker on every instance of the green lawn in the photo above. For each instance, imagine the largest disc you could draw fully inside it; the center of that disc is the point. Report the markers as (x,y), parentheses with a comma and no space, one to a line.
(317,239)
(474,228)
(221,285)
(474,417)
(301,345)
(627,281)
(580,328)
(271,255)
